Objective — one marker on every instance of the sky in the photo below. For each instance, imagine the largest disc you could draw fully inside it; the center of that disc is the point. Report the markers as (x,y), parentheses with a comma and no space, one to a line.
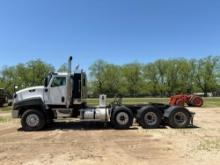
(117,31)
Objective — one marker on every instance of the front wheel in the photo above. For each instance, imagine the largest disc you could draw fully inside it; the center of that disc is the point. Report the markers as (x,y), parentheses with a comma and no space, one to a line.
(33,120)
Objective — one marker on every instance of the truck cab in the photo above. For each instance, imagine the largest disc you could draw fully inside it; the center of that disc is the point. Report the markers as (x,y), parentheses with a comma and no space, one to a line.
(60,90)
(56,92)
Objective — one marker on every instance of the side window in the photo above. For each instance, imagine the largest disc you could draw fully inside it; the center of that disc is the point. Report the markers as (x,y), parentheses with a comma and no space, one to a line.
(58,81)
(84,81)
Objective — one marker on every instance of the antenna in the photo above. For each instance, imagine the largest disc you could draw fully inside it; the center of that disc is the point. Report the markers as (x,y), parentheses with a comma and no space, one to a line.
(77,67)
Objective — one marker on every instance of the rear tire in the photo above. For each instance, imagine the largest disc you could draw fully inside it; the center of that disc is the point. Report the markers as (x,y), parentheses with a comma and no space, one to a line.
(149,117)
(196,101)
(33,120)
(179,118)
(122,118)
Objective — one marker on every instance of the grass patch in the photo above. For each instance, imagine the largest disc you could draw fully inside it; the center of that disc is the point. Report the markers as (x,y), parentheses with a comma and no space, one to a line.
(211,102)
(6,108)
(95,101)
(209,145)
(208,102)
(5,119)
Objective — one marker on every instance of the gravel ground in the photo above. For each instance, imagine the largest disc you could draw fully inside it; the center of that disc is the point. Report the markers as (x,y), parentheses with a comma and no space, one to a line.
(91,143)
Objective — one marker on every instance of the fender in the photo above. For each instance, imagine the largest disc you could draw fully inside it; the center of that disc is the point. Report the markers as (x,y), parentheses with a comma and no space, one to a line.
(18,107)
(171,109)
(35,101)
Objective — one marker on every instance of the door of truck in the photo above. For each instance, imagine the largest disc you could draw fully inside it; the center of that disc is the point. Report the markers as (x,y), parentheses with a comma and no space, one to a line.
(55,92)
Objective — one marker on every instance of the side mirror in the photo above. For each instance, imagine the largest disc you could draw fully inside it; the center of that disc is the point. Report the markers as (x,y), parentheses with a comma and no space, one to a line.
(46,81)
(15,88)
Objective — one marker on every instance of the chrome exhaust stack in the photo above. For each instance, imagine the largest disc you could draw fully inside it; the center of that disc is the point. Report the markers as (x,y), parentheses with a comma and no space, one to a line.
(70,65)
(69,83)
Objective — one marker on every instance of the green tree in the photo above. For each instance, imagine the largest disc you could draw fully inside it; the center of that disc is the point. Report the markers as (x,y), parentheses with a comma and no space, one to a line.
(105,78)
(186,75)
(112,84)
(96,76)
(38,70)
(63,68)
(133,78)
(206,78)
(167,77)
(151,79)
(29,74)
(9,78)
(161,70)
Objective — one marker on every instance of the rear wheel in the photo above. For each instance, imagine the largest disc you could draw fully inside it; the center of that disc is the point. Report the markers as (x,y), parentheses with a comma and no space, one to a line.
(149,117)
(122,118)
(197,101)
(32,120)
(179,118)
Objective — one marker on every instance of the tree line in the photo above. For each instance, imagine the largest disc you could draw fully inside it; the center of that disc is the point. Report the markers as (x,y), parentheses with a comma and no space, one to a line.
(159,78)
(24,75)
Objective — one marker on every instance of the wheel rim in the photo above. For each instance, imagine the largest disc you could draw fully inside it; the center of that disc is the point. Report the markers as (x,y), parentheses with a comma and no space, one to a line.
(180,118)
(122,118)
(32,120)
(197,102)
(150,118)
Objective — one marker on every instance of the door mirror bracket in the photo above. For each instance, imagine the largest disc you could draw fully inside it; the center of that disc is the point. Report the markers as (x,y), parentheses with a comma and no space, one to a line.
(46,82)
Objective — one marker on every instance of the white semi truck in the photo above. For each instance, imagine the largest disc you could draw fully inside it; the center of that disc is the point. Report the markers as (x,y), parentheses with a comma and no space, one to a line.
(65,93)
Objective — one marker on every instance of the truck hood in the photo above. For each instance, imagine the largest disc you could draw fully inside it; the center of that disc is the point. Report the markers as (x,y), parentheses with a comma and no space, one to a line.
(28,93)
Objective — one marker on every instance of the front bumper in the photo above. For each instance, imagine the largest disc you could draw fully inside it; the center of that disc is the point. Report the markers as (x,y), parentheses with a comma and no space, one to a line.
(15,111)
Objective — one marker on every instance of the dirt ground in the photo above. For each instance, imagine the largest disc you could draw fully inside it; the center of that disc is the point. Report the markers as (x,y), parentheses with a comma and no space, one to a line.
(92,143)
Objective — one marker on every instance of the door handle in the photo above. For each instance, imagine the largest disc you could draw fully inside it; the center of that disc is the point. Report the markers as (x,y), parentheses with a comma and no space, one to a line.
(79,86)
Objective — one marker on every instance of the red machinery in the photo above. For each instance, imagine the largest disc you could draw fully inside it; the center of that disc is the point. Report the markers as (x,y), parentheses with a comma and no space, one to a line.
(190,100)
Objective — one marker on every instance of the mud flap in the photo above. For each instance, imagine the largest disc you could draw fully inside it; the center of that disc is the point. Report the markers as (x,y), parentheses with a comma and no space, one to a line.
(192,114)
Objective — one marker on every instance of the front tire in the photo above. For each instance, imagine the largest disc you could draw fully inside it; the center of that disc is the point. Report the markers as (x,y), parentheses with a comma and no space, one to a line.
(33,120)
